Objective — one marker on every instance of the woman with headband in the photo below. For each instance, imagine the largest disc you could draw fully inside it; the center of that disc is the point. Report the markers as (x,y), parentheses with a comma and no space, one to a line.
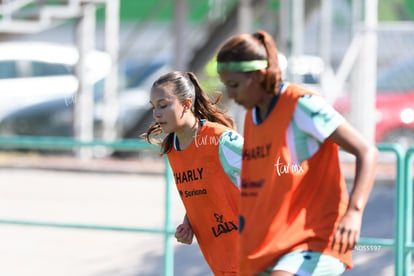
(296,217)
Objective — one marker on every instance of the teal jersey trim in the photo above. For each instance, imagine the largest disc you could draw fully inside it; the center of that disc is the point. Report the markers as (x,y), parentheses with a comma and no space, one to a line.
(313,121)
(325,119)
(230,154)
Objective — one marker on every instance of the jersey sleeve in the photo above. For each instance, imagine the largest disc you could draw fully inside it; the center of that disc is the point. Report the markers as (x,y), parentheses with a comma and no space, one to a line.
(230,154)
(314,116)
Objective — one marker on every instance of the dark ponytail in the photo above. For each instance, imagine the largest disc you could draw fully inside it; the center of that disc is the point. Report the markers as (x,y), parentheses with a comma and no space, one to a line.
(273,72)
(186,85)
(205,109)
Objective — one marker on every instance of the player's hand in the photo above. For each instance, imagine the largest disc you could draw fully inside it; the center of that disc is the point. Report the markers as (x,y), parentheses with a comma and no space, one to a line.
(348,231)
(184,233)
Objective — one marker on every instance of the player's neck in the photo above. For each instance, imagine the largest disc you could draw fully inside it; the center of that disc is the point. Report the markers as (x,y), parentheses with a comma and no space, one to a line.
(263,106)
(187,133)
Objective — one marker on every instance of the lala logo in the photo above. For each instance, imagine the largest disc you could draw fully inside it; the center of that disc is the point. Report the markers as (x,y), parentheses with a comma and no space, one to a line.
(222,227)
(283,168)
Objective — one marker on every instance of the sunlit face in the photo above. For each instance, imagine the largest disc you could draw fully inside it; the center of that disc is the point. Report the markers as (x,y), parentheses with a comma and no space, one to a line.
(168,111)
(244,88)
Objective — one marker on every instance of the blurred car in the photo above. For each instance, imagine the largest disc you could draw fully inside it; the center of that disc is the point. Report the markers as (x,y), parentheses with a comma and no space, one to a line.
(394,104)
(36,72)
(54,116)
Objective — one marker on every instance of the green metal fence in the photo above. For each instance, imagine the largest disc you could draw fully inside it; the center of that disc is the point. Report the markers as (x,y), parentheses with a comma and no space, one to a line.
(398,243)
(407,216)
(59,143)
(402,244)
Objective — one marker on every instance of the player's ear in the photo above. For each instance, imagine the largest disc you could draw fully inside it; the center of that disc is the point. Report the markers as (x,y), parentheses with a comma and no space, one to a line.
(262,75)
(188,103)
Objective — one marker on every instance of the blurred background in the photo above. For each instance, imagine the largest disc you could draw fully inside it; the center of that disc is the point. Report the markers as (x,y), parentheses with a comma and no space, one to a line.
(75,77)
(89,64)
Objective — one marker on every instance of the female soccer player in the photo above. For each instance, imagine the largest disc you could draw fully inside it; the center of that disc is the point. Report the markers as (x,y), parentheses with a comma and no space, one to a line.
(296,217)
(205,155)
